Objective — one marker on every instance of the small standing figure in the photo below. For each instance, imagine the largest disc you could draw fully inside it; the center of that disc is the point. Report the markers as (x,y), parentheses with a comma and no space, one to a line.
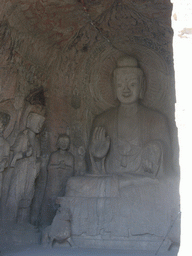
(60,169)
(4,146)
(80,166)
(26,163)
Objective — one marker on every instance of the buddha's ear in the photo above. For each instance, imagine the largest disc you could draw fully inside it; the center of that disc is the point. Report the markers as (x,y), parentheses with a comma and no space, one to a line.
(143,88)
(113,82)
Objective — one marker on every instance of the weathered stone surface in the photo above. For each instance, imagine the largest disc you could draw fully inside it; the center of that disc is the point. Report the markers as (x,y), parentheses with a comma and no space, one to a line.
(130,138)
(130,145)
(57,60)
(25,166)
(4,147)
(122,211)
(60,230)
(18,235)
(60,169)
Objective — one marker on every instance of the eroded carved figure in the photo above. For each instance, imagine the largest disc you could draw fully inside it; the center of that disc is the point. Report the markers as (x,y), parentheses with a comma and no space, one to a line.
(59,231)
(130,138)
(26,163)
(60,169)
(80,164)
(4,146)
(128,201)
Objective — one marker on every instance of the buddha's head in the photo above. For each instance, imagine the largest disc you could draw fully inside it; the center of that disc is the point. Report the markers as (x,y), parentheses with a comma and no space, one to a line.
(63,142)
(4,120)
(35,122)
(128,80)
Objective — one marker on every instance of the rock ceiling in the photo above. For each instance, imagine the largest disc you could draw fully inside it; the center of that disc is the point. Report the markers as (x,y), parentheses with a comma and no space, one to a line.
(54,23)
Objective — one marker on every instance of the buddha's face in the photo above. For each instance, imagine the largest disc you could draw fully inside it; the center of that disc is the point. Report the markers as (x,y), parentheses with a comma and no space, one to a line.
(63,142)
(128,86)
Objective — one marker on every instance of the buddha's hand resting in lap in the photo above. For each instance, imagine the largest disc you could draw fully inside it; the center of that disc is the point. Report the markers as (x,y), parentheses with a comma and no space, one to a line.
(100,143)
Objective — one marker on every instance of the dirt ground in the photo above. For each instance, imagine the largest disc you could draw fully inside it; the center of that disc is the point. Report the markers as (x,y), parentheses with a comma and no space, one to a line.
(39,251)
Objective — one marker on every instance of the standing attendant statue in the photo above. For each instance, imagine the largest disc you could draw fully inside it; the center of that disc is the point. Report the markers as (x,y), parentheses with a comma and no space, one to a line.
(60,169)
(130,138)
(26,163)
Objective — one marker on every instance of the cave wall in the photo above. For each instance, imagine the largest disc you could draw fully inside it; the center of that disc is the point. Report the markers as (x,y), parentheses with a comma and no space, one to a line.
(68,50)
(57,59)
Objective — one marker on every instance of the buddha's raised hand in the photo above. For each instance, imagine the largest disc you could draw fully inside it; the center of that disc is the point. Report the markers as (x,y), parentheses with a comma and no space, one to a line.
(100,143)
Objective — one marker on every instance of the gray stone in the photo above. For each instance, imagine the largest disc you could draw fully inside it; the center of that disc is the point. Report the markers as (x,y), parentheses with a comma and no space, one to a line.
(117,211)
(130,198)
(4,147)
(18,235)
(25,167)
(130,138)
(60,169)
(59,231)
(102,73)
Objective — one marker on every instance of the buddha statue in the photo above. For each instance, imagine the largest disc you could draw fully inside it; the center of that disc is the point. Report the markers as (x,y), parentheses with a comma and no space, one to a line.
(129,138)
(127,199)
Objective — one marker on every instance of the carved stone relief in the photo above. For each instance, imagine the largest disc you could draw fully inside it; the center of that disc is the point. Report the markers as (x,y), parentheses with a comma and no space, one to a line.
(60,169)
(25,165)
(4,147)
(101,73)
(130,138)
(130,162)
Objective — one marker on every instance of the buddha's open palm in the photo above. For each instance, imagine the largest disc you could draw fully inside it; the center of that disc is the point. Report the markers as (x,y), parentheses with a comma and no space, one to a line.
(100,143)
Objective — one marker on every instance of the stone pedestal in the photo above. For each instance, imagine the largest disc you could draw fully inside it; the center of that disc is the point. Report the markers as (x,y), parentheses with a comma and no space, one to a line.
(122,212)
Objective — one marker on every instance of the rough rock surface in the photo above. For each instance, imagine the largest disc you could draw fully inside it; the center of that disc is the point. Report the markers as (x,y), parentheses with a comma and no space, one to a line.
(57,60)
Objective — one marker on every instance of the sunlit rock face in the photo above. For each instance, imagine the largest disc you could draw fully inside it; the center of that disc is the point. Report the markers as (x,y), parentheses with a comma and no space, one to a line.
(59,61)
